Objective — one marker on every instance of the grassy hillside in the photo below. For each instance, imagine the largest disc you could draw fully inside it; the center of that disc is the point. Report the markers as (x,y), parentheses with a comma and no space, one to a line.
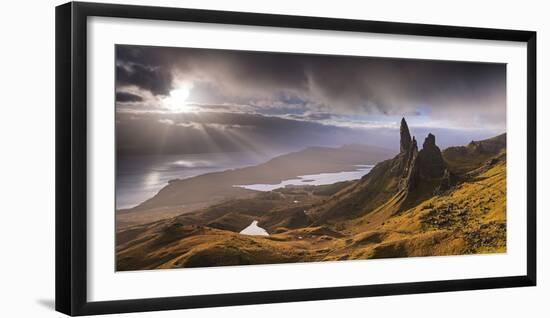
(471,218)
(394,211)
(462,159)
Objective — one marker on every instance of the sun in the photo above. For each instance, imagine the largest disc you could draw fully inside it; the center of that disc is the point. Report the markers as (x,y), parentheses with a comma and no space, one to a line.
(177,100)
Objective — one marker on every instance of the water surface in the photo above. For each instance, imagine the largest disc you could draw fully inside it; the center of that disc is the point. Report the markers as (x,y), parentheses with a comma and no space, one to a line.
(138,178)
(254,229)
(313,179)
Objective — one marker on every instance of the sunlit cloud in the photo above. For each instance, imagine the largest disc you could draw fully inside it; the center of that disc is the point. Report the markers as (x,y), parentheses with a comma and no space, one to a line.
(166,121)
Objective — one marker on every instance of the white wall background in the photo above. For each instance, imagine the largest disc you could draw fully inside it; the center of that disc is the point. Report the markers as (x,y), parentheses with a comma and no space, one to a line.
(27,158)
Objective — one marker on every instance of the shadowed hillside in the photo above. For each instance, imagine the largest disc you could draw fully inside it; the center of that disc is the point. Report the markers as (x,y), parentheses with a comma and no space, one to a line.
(421,202)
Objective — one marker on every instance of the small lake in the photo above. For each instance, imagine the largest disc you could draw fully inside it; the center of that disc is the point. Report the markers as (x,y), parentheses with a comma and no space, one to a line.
(254,229)
(313,179)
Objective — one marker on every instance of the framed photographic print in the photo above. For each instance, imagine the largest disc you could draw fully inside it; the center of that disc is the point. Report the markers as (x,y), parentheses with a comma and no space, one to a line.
(208,158)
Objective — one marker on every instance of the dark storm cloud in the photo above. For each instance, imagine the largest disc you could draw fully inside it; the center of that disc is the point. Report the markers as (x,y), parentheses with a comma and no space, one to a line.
(262,71)
(239,100)
(143,71)
(123,97)
(337,84)
(392,84)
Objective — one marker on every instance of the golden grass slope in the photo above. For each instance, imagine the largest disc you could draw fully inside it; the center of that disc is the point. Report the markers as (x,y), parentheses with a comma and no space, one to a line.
(370,218)
(469,219)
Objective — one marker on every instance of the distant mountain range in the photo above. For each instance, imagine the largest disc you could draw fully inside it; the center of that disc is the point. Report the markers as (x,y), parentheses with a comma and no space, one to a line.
(418,203)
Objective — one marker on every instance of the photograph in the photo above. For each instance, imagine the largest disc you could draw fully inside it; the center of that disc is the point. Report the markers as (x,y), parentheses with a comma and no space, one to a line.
(228,157)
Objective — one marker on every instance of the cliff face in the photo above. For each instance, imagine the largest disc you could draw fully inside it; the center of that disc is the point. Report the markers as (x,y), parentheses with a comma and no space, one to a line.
(420,167)
(430,159)
(409,177)
(405,140)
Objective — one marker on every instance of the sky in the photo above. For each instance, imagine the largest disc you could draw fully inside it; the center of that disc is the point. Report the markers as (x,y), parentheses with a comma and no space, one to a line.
(190,100)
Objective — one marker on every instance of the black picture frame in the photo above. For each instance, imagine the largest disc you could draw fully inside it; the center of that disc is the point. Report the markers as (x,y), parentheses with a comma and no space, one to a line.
(71,157)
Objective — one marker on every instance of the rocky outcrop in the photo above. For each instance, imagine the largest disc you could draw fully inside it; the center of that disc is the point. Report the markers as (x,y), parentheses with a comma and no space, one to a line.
(425,167)
(430,160)
(445,183)
(403,181)
(407,158)
(405,137)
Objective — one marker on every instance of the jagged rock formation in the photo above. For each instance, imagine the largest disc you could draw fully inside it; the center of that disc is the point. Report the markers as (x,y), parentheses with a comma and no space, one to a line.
(405,141)
(420,166)
(430,160)
(408,178)
(408,163)
(419,203)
